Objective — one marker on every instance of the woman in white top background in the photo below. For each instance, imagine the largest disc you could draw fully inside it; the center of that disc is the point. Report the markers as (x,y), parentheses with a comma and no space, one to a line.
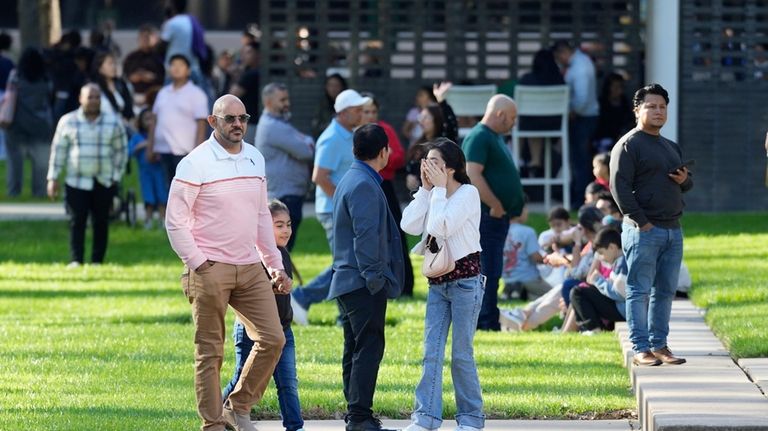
(447,207)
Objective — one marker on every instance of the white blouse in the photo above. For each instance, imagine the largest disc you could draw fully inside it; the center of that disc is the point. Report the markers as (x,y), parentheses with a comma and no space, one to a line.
(455,219)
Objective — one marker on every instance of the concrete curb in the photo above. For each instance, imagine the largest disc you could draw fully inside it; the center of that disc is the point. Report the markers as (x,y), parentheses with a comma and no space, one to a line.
(709,392)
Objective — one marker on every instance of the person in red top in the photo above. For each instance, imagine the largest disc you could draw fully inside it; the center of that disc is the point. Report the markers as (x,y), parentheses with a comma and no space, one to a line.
(600,169)
(396,162)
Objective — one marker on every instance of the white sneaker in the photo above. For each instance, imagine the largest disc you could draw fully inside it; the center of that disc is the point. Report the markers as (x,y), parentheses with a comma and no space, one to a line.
(300,314)
(512,320)
(467,428)
(416,427)
(73,264)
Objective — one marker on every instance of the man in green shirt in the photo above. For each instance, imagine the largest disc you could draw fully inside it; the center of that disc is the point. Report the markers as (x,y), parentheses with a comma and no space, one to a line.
(492,170)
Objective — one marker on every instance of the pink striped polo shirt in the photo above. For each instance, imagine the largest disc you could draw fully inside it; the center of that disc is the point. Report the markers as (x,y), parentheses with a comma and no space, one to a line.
(217,208)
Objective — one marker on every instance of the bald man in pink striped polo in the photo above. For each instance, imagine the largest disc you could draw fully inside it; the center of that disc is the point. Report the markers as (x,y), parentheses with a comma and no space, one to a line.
(219,225)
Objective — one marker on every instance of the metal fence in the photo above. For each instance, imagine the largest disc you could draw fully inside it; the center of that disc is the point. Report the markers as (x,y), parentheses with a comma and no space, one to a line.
(392,47)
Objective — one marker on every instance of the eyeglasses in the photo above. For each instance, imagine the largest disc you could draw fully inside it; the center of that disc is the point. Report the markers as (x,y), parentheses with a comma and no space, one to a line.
(229,119)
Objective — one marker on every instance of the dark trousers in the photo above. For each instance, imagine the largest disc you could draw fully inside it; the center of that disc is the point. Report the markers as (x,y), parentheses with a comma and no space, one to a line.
(97,203)
(493,233)
(581,130)
(394,207)
(170,161)
(593,308)
(294,204)
(362,317)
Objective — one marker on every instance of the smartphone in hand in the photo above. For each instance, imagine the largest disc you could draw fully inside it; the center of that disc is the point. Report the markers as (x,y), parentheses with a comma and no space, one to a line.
(686,164)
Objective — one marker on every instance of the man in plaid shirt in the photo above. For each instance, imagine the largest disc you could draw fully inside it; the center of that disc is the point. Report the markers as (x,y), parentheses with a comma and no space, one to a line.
(91,146)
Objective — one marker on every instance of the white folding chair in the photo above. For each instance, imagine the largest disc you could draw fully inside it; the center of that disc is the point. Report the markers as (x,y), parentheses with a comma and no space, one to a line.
(469,101)
(538,101)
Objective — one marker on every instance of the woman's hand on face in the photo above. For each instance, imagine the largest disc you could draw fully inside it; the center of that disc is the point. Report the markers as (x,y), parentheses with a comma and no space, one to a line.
(424,177)
(436,174)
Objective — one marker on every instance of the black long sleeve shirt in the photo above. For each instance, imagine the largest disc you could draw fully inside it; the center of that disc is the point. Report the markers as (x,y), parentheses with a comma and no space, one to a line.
(640,184)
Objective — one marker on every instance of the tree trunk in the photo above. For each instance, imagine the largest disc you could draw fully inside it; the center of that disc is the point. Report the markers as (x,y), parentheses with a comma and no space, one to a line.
(39,22)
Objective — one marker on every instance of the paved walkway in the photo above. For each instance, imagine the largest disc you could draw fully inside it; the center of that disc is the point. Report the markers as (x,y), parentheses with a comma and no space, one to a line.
(618,425)
(32,211)
(709,392)
(55,210)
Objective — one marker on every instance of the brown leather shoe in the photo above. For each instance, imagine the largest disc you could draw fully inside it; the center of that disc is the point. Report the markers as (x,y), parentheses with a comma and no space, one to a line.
(645,359)
(665,355)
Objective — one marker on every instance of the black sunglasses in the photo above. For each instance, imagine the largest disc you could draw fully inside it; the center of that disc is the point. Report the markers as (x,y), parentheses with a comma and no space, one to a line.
(229,119)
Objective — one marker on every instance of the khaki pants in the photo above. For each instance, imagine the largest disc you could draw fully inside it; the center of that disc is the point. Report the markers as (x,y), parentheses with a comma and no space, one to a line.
(249,291)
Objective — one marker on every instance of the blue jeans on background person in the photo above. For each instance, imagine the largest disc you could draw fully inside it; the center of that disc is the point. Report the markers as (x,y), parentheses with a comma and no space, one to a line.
(286,381)
(653,261)
(493,233)
(454,303)
(568,285)
(317,290)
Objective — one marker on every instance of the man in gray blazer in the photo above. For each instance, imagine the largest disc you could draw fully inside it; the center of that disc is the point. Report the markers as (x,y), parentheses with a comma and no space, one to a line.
(368,269)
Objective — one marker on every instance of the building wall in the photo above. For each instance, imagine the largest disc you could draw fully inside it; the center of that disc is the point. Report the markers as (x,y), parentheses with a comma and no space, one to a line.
(393,47)
(723,110)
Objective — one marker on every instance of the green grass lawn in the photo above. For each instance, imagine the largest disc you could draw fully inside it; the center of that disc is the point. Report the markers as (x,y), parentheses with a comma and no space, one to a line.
(111,348)
(727,257)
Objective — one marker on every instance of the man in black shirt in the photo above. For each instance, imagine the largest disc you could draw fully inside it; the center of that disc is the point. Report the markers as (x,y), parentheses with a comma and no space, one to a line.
(144,68)
(648,179)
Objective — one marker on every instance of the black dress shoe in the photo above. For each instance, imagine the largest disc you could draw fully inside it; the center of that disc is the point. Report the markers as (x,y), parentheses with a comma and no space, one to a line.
(371,424)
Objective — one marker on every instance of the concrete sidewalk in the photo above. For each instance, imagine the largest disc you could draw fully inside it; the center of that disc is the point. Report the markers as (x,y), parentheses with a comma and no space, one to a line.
(709,392)
(32,211)
(491,425)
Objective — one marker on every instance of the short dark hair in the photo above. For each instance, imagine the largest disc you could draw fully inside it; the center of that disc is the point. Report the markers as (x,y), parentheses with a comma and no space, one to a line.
(5,41)
(589,216)
(373,98)
(179,5)
(254,45)
(277,206)
(603,158)
(594,188)
(562,44)
(181,57)
(605,237)
(453,157)
(608,197)
(656,89)
(558,213)
(147,28)
(368,142)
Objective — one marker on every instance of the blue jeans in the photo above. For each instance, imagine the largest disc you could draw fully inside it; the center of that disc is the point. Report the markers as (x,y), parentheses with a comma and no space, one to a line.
(285,375)
(493,233)
(317,290)
(566,288)
(458,303)
(653,261)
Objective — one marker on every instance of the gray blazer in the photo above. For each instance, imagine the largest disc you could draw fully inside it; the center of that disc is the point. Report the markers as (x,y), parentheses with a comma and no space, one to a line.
(366,241)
